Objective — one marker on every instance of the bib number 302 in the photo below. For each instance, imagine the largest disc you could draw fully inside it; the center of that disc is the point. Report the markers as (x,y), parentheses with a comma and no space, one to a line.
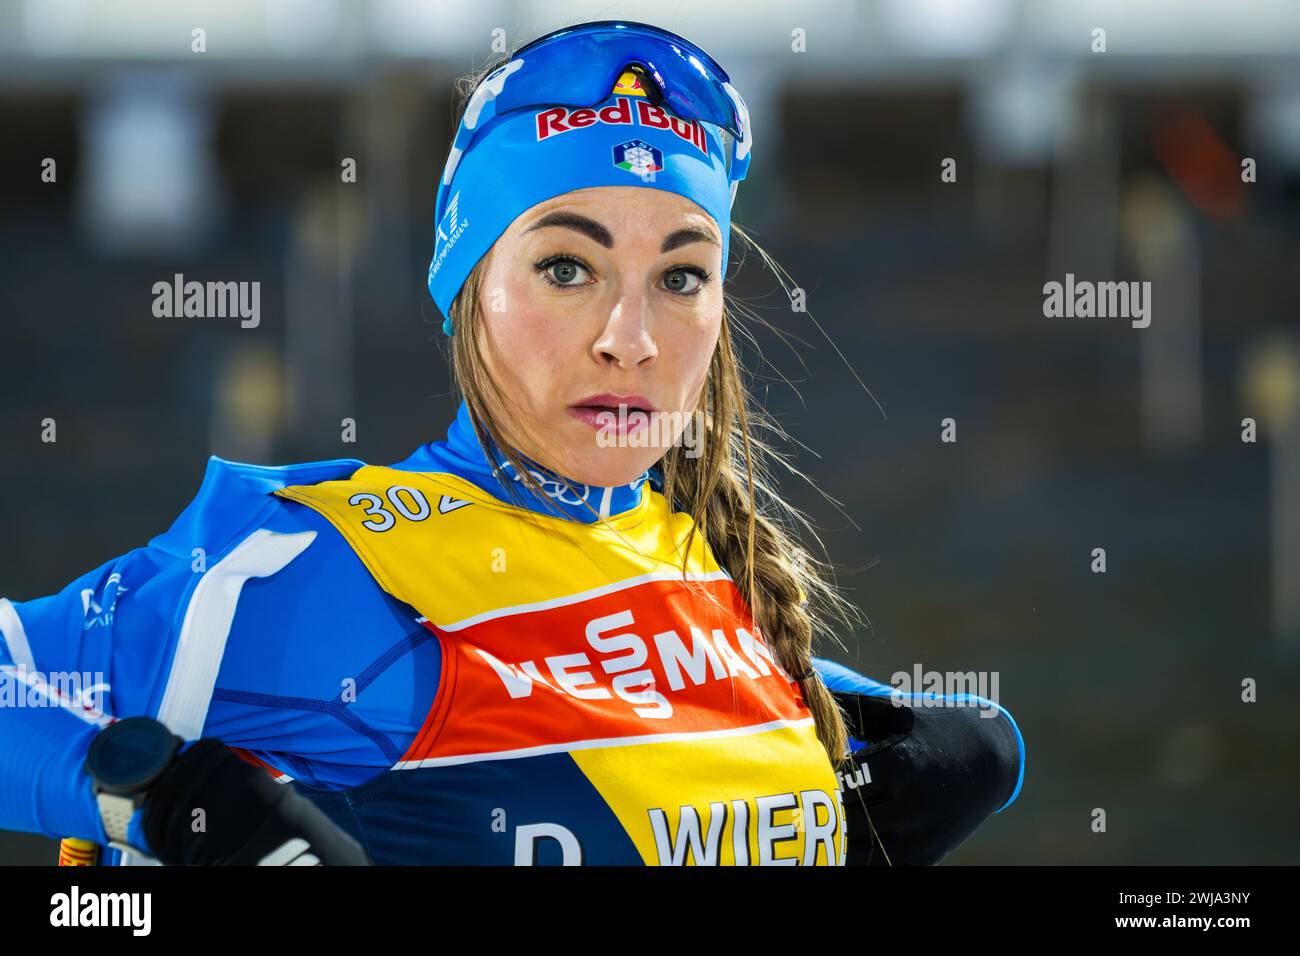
(410,503)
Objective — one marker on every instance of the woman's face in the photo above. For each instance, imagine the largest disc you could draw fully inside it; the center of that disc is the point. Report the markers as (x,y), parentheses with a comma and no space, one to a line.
(611,290)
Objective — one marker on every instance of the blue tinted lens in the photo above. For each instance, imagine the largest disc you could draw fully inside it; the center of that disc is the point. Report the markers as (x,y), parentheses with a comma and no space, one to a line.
(628,28)
(579,66)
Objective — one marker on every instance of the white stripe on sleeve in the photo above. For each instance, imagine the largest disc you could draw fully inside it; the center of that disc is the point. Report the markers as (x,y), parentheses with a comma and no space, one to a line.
(15,636)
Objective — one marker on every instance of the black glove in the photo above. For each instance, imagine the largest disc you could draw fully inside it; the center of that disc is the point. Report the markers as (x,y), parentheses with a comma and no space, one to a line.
(935,774)
(250,820)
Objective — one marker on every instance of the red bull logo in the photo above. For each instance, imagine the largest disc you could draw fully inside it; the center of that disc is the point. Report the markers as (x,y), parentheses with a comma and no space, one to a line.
(562,119)
(629,84)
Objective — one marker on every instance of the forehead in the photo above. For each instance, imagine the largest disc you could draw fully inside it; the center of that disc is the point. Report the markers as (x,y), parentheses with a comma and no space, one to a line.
(623,206)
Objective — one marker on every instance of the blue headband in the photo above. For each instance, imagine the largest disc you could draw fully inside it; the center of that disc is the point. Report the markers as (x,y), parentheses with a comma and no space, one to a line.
(523,158)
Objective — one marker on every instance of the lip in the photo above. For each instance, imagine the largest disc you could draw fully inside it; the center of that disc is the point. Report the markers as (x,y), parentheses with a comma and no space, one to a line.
(595,410)
(613,401)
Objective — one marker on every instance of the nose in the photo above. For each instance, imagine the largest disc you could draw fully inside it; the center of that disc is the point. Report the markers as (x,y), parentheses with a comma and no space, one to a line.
(626,339)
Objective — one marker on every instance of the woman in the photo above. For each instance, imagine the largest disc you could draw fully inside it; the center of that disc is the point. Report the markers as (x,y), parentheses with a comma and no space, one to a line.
(509,647)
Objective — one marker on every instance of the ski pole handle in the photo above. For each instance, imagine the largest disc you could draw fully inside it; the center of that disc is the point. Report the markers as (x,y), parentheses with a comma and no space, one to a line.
(74,851)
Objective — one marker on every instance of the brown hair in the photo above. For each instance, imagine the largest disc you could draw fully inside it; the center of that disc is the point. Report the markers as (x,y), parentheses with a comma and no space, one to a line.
(727,490)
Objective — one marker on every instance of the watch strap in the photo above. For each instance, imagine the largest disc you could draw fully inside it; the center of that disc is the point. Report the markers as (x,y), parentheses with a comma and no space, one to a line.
(115,810)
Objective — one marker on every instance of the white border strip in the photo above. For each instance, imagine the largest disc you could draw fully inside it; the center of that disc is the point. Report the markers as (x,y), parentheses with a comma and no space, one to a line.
(15,636)
(595,744)
(581,596)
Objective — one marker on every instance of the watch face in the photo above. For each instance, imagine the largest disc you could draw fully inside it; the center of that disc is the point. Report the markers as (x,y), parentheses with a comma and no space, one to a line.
(130,753)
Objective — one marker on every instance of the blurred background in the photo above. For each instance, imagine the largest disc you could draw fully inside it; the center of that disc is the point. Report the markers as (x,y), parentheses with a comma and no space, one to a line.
(1165,149)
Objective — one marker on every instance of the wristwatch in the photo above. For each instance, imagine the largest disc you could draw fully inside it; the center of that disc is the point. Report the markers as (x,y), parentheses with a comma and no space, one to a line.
(124,760)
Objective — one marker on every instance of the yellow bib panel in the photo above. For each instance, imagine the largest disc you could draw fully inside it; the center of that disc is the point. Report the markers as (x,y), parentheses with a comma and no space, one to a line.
(594,705)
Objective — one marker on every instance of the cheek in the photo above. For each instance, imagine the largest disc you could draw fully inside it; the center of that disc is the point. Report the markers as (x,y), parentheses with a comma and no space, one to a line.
(525,328)
(692,346)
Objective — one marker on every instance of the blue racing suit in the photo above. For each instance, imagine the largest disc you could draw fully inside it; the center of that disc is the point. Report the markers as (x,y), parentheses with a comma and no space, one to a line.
(254,620)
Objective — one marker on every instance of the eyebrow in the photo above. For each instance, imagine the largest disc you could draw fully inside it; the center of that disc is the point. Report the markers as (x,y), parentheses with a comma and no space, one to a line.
(598,233)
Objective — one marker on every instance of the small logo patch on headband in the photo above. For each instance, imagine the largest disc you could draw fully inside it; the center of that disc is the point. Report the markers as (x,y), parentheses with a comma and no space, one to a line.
(639,157)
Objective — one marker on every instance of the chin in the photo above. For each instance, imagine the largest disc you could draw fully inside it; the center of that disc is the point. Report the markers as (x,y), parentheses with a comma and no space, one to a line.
(612,466)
